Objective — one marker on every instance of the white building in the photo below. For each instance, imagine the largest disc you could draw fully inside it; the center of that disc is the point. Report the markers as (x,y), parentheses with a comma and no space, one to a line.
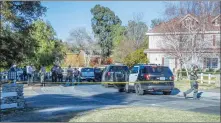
(212,34)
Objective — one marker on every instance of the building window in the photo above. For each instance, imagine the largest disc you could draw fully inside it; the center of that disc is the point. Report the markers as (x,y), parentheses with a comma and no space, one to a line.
(211,62)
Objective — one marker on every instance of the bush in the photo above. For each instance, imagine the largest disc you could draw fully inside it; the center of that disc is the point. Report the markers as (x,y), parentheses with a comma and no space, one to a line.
(135,57)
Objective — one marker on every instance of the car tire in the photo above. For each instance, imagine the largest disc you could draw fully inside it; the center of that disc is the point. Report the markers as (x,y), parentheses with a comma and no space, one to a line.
(121,90)
(138,89)
(166,92)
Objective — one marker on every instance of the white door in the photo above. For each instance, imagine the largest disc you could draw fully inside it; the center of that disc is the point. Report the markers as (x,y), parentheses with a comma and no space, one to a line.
(133,75)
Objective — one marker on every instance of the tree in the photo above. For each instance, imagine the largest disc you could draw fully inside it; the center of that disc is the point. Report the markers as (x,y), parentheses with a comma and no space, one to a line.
(50,49)
(155,22)
(20,14)
(15,47)
(82,40)
(118,33)
(131,39)
(102,21)
(186,40)
(16,18)
(136,57)
(136,31)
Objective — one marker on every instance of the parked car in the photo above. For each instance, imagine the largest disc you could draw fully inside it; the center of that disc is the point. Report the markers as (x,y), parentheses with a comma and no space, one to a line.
(150,73)
(116,73)
(87,74)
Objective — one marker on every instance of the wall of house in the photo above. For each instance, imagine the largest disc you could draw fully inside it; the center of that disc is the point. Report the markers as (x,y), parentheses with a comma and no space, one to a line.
(213,39)
(153,42)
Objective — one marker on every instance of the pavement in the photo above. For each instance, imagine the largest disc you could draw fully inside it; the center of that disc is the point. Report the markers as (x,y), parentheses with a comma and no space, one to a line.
(60,103)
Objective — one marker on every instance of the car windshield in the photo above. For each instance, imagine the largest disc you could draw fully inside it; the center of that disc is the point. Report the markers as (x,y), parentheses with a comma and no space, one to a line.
(87,70)
(134,70)
(118,68)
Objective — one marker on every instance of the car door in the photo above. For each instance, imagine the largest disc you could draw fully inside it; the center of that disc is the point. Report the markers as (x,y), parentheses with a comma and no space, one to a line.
(133,75)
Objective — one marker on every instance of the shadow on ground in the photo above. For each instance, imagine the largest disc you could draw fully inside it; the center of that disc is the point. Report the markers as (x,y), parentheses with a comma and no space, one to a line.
(61,107)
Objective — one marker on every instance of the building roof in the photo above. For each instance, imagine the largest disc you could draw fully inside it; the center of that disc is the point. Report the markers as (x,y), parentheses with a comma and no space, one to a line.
(161,28)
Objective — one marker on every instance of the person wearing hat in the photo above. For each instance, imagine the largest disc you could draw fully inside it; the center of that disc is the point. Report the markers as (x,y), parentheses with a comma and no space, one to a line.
(193,82)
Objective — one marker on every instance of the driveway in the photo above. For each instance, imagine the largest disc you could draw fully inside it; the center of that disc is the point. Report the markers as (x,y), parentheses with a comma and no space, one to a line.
(59,103)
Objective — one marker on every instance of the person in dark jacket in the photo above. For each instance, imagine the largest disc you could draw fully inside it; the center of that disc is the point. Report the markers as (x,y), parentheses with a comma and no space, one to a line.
(54,73)
(60,75)
(193,82)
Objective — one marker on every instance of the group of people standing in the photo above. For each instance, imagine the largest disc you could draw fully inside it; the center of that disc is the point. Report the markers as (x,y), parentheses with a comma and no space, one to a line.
(57,73)
(72,74)
(30,71)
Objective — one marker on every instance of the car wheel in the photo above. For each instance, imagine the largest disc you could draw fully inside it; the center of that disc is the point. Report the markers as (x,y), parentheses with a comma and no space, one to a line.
(139,90)
(166,92)
(121,90)
(127,88)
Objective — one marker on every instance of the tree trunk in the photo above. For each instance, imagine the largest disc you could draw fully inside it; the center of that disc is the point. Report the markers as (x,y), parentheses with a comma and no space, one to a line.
(186,71)
(181,66)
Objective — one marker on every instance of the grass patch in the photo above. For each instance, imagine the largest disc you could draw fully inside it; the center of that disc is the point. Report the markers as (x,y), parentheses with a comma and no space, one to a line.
(183,85)
(145,114)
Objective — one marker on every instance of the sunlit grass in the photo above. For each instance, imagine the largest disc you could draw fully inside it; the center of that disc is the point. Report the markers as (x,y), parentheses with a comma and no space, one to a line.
(145,114)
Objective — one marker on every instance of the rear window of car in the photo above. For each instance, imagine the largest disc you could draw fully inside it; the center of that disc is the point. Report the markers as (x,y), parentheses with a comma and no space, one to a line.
(157,70)
(118,68)
(87,70)
(97,70)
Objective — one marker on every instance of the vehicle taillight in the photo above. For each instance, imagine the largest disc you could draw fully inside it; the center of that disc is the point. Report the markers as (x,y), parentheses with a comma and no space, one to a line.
(108,73)
(147,76)
(172,78)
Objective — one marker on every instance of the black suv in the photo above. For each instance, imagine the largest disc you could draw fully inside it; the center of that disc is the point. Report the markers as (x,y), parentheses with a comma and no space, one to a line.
(160,79)
(116,73)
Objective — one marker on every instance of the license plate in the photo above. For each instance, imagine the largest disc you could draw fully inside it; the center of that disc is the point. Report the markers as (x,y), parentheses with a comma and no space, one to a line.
(162,78)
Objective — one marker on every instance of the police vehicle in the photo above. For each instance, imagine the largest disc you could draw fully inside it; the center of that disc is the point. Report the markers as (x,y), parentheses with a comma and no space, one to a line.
(153,77)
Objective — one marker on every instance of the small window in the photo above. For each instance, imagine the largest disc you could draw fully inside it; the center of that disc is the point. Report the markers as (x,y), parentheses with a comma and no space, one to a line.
(214,62)
(211,62)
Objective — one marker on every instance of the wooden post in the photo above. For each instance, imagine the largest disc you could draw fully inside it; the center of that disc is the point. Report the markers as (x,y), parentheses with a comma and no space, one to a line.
(209,78)
(201,78)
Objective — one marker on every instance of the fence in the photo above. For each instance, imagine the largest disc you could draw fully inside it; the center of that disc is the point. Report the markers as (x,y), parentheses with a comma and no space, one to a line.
(209,78)
(12,96)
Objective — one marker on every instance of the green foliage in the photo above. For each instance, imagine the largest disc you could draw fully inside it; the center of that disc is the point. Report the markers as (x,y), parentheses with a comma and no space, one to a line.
(50,49)
(16,18)
(118,34)
(155,22)
(20,14)
(102,22)
(135,57)
(129,38)
(15,47)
